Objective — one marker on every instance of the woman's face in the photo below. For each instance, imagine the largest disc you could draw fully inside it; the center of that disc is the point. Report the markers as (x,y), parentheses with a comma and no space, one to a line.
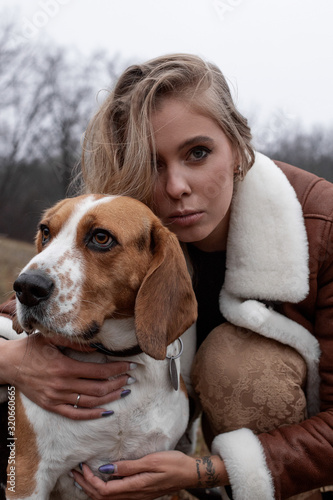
(196,165)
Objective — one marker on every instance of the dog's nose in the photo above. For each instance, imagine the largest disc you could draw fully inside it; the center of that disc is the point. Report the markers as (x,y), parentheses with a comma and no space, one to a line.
(32,287)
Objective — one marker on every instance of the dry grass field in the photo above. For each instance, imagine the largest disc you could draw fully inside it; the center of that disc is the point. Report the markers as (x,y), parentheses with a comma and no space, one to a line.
(13,256)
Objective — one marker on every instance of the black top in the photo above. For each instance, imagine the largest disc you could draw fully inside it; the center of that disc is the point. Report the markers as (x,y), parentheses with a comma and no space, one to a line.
(208,278)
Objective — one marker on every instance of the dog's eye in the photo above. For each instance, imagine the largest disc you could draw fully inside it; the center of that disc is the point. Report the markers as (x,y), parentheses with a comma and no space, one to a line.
(101,240)
(46,234)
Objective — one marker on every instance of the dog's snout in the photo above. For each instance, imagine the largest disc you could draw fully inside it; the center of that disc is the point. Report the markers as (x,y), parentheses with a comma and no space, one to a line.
(33,287)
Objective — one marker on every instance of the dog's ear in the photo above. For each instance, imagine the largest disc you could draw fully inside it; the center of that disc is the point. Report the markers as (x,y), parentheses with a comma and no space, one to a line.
(165,305)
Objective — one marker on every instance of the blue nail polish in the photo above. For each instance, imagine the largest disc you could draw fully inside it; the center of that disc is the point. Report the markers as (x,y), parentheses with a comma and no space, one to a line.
(107,469)
(107,413)
(125,392)
(77,485)
(81,466)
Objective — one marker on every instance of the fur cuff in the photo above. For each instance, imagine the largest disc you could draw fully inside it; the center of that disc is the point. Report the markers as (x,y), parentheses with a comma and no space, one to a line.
(6,330)
(245,461)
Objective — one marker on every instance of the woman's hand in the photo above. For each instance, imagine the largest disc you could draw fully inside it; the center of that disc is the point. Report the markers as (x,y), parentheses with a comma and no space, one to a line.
(152,476)
(54,381)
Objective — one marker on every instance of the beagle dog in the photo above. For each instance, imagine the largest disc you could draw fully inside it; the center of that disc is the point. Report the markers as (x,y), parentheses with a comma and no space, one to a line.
(107,273)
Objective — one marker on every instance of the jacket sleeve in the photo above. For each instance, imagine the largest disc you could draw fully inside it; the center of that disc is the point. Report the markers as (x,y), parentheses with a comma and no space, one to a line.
(8,327)
(301,457)
(296,458)
(7,316)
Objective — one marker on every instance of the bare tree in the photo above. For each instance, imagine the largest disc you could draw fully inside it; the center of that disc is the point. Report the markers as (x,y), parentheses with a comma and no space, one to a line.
(311,150)
(47,97)
(71,102)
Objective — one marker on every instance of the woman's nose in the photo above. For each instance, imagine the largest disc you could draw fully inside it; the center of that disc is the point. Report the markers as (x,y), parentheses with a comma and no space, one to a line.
(177,182)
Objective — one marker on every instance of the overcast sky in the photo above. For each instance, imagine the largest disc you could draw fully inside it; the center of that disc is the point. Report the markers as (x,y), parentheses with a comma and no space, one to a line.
(276,54)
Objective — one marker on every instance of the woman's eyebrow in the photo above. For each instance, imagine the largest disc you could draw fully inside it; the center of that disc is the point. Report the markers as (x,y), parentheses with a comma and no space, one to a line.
(203,139)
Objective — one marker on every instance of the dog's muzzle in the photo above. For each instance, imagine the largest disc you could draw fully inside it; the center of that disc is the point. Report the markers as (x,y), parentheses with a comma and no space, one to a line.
(33,287)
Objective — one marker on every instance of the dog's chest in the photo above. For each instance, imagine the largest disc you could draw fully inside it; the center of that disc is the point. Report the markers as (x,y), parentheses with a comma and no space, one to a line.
(153,417)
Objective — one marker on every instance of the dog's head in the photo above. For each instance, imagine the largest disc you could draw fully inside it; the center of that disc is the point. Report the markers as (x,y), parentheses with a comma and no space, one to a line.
(102,257)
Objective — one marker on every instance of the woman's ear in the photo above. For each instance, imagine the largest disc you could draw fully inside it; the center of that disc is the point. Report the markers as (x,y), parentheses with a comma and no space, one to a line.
(237,163)
(165,305)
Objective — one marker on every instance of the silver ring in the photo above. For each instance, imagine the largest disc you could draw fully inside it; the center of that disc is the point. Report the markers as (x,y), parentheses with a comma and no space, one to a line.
(180,351)
(77,400)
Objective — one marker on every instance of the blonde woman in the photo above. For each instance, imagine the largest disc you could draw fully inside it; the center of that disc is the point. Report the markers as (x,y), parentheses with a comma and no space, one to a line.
(257,235)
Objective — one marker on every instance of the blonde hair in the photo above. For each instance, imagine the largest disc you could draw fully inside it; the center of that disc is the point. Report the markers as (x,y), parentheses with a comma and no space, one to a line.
(118,150)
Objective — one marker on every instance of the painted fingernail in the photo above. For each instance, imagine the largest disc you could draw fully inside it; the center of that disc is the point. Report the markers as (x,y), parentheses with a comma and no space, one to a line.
(77,485)
(125,393)
(108,469)
(107,413)
(81,465)
(131,380)
(133,366)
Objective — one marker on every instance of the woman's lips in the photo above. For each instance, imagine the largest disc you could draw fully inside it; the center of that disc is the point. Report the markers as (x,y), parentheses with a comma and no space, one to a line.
(185,218)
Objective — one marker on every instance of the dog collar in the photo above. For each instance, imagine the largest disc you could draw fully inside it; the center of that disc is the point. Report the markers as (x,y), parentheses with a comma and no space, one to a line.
(131,351)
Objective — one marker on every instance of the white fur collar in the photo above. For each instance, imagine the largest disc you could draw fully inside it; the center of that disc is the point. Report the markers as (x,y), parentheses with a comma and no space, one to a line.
(267,249)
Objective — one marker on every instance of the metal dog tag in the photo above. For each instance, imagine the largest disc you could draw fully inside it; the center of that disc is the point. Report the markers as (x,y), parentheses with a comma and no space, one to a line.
(174,377)
(173,374)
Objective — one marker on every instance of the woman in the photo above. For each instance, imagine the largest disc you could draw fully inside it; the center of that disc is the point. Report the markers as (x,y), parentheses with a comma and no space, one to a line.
(170,135)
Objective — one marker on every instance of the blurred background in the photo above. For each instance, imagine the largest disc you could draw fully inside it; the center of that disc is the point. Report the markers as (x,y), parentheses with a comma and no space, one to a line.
(59,58)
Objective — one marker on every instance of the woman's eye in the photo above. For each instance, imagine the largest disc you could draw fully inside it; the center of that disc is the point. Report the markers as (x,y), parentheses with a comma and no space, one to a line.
(157,164)
(199,153)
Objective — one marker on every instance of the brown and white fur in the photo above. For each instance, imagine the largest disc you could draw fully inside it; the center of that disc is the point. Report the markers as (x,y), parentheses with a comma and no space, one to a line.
(116,276)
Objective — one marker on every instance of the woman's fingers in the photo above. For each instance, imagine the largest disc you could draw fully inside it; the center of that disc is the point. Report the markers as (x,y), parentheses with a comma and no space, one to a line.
(63,379)
(62,396)
(97,371)
(97,489)
(82,413)
(94,487)
(84,401)
(143,479)
(90,390)
(92,393)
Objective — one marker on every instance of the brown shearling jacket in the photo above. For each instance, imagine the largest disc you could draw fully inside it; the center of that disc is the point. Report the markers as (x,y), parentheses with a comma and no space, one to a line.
(302,455)
(279,283)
